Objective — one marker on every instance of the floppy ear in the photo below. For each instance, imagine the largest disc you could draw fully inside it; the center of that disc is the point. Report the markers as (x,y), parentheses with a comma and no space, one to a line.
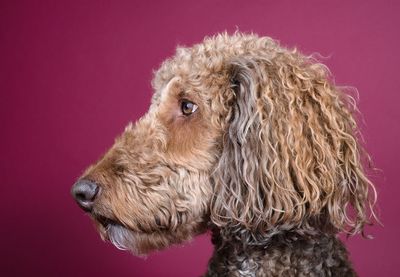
(290,154)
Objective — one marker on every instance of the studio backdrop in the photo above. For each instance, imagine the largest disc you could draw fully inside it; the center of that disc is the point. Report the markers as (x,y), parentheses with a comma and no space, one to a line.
(73,74)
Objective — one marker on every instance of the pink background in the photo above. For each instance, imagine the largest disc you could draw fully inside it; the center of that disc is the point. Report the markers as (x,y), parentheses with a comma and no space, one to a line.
(73,74)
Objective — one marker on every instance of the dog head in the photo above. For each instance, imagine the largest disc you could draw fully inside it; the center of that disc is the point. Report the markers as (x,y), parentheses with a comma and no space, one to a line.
(242,133)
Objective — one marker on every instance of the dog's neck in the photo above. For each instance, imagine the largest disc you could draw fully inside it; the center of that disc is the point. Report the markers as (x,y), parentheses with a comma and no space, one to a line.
(240,249)
(274,253)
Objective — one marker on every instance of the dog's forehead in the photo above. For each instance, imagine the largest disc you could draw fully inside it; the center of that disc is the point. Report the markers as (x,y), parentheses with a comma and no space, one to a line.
(204,65)
(187,82)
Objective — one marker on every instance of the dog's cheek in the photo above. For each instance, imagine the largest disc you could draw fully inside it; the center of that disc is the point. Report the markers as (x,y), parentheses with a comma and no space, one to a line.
(196,192)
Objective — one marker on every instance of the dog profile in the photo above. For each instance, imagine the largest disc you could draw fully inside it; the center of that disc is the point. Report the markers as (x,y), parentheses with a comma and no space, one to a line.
(245,138)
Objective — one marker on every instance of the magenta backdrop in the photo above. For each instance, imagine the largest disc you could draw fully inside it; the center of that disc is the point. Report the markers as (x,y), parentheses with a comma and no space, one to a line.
(73,74)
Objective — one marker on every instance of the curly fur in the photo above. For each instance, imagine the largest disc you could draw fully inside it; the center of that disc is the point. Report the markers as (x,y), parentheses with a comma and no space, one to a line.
(270,162)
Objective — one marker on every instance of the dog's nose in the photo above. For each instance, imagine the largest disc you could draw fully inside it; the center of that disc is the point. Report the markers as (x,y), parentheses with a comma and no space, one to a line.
(84,192)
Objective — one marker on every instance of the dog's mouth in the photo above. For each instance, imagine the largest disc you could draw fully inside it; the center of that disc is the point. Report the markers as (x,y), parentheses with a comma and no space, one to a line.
(138,241)
(121,236)
(142,239)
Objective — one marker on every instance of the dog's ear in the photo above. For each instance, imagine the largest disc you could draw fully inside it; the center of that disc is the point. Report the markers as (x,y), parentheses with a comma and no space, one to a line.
(290,154)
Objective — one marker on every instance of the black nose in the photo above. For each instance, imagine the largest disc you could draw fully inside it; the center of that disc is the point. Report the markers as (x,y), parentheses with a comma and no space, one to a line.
(84,192)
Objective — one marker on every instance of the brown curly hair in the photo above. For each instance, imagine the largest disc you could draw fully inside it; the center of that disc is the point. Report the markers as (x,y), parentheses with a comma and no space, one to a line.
(291,150)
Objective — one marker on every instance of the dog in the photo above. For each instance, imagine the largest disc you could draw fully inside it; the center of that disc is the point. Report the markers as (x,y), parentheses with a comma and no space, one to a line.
(247,139)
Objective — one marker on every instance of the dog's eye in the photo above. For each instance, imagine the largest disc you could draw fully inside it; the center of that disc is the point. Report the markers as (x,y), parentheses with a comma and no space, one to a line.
(188,107)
